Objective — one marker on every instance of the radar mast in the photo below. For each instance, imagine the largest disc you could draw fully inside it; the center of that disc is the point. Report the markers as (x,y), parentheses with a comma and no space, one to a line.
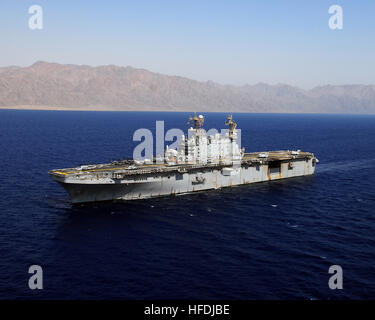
(232,125)
(197,121)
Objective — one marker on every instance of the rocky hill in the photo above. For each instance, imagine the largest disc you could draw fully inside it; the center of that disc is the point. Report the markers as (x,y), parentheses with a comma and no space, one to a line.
(125,88)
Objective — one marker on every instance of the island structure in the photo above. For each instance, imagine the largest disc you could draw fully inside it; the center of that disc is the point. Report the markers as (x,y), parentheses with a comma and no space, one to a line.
(200,162)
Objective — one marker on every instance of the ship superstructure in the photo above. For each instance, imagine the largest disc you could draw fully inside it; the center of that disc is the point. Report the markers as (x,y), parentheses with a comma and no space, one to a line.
(199,148)
(201,162)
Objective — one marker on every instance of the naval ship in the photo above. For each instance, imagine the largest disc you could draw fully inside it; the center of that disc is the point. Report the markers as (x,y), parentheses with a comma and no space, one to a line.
(200,162)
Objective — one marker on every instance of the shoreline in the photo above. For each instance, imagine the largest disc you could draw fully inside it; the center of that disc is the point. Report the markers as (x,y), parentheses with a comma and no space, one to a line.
(104,109)
(111,109)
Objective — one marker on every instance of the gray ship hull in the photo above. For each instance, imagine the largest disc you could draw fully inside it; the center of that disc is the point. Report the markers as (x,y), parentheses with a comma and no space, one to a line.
(104,187)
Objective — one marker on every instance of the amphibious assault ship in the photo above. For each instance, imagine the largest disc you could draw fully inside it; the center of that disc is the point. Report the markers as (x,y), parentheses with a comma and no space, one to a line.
(200,162)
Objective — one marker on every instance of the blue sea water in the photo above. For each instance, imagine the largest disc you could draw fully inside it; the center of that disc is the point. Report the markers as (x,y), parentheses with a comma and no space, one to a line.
(273,240)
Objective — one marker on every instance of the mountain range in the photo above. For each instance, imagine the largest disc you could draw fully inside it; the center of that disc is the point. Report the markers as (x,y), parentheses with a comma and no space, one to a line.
(110,87)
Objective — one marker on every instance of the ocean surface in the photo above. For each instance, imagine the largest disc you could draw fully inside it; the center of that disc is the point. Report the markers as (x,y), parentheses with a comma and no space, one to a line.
(273,240)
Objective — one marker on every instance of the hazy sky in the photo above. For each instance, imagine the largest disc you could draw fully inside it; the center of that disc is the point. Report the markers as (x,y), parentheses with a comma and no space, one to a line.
(231,42)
